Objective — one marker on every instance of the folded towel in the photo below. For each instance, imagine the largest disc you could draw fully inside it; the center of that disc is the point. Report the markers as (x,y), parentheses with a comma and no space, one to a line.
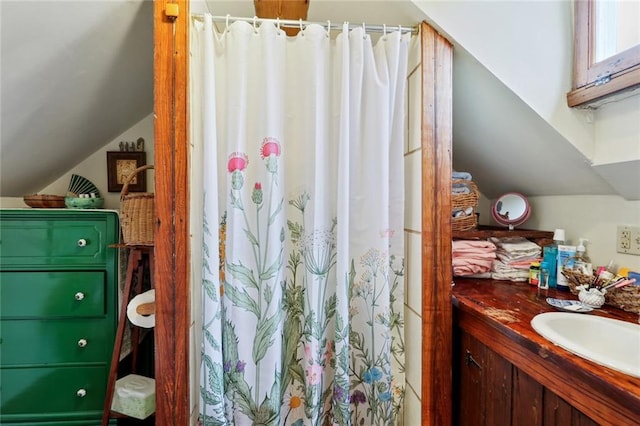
(465,266)
(481,275)
(510,276)
(482,245)
(471,257)
(513,259)
(461,175)
(462,213)
(524,263)
(512,244)
(459,188)
(517,250)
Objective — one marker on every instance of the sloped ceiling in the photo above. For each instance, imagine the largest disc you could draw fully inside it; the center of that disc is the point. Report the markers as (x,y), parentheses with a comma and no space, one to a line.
(77,74)
(507,145)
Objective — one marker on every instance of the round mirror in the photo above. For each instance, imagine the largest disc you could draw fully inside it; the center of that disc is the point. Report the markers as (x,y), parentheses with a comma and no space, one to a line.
(511,209)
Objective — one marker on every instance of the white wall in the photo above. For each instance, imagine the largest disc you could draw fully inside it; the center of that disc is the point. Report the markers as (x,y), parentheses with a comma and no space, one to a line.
(94,168)
(593,217)
(617,130)
(538,36)
(527,45)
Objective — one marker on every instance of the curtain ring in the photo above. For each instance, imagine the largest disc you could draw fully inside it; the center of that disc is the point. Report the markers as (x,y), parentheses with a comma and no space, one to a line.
(400,29)
(278,22)
(300,21)
(384,30)
(227,22)
(255,18)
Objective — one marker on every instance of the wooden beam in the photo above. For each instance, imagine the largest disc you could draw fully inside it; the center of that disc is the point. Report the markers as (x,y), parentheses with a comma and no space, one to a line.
(437,98)
(171,31)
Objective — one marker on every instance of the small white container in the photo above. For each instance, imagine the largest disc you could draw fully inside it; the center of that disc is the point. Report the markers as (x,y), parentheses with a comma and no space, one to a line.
(135,396)
(591,297)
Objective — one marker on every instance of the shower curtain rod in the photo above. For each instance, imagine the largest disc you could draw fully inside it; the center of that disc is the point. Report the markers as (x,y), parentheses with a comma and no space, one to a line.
(290,23)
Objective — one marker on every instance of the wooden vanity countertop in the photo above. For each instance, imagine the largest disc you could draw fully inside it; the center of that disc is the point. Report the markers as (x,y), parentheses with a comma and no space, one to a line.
(499,314)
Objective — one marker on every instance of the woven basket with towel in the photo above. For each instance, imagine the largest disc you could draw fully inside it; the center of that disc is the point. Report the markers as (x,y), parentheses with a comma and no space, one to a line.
(464,200)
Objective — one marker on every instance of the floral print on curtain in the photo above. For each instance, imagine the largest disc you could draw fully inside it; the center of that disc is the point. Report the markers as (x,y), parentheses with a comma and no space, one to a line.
(359,388)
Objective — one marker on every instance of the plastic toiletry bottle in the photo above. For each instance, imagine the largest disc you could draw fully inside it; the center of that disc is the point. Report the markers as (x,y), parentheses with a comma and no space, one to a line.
(582,263)
(566,258)
(543,282)
(534,273)
(550,255)
(605,274)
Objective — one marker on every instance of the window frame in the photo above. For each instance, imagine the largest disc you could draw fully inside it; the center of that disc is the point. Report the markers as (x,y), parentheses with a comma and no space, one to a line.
(594,81)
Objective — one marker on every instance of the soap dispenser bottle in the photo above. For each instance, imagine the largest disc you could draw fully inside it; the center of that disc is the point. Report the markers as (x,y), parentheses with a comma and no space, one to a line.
(582,262)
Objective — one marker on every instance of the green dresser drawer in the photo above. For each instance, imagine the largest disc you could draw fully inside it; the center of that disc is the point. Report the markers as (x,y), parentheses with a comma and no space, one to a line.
(52,294)
(53,242)
(57,341)
(54,392)
(58,309)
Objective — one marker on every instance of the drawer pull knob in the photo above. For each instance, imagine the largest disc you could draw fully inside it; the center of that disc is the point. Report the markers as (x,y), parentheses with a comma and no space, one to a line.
(82,343)
(81,393)
(82,242)
(79,295)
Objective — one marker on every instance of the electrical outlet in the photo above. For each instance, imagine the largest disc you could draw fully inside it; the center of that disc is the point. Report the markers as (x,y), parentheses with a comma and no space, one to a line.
(628,240)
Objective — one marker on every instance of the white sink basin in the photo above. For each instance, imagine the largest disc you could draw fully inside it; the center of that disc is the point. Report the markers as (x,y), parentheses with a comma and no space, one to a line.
(606,341)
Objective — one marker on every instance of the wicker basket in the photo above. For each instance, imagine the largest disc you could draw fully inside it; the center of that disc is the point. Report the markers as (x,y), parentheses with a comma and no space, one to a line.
(462,202)
(137,213)
(576,279)
(44,201)
(626,298)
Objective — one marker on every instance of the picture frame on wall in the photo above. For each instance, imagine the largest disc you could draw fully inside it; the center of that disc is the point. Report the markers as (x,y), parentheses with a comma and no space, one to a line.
(120,164)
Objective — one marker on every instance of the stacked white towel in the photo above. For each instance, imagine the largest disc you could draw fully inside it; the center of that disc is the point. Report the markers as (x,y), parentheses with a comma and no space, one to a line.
(513,258)
(472,257)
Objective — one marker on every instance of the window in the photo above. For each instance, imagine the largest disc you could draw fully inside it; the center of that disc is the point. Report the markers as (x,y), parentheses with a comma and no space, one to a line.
(607,50)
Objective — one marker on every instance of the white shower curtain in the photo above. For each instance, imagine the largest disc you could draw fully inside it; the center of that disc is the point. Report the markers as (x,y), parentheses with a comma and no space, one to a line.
(298,157)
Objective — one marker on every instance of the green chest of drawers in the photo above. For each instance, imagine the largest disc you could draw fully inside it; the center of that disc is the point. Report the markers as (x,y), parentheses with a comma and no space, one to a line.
(58,313)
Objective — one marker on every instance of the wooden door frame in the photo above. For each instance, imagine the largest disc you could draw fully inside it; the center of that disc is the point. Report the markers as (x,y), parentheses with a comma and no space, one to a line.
(173,301)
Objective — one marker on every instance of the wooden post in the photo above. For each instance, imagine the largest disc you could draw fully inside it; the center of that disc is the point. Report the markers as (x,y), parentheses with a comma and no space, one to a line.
(437,95)
(171,275)
(283,9)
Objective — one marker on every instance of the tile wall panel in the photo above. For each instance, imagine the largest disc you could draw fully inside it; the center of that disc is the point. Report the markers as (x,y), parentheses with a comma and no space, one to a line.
(413,350)
(413,240)
(412,409)
(413,271)
(414,99)
(413,198)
